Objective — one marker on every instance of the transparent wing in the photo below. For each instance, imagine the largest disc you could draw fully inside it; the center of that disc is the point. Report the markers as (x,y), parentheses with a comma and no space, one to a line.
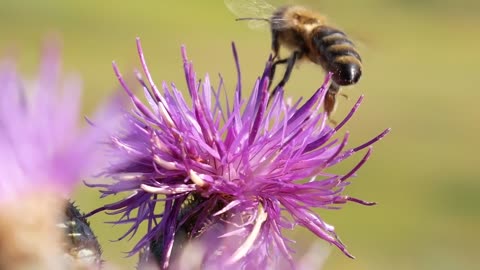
(251,9)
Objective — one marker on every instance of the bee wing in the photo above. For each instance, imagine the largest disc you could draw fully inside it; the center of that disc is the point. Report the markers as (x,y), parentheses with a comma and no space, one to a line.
(259,9)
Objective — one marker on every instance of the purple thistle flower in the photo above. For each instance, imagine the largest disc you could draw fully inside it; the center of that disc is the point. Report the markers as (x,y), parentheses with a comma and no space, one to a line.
(41,144)
(44,155)
(254,168)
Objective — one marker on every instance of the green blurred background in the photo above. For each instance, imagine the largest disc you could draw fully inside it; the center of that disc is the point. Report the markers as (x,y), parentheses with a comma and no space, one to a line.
(420,78)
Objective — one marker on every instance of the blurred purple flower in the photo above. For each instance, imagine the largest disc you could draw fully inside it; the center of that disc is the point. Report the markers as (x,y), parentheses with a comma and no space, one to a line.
(253,167)
(41,143)
(44,154)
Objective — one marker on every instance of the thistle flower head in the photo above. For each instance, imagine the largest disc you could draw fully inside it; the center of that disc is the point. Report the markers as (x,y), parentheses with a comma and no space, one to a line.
(44,154)
(42,146)
(241,169)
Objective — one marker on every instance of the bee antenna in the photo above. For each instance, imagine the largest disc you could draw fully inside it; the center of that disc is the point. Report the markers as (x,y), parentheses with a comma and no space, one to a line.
(252,19)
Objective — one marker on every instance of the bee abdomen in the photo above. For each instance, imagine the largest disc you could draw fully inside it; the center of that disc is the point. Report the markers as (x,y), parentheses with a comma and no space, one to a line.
(338,54)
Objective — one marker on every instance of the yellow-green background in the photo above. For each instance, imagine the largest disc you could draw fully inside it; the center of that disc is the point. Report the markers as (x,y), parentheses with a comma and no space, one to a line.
(421,77)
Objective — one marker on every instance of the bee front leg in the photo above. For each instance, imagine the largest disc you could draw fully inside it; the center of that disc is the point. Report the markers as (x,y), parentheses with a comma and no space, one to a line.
(275,44)
(290,64)
(273,68)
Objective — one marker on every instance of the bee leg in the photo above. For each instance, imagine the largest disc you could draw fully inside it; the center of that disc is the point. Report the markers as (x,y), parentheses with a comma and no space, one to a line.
(329,105)
(344,95)
(273,68)
(275,43)
(330,101)
(290,64)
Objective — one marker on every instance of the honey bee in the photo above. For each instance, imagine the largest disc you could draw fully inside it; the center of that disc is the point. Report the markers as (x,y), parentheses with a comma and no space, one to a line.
(309,37)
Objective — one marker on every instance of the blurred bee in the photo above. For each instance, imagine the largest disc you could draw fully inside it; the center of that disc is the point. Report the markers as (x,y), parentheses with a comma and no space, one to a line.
(81,245)
(309,37)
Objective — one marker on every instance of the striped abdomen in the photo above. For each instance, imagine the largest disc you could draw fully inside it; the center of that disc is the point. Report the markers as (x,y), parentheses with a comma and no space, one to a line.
(337,55)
